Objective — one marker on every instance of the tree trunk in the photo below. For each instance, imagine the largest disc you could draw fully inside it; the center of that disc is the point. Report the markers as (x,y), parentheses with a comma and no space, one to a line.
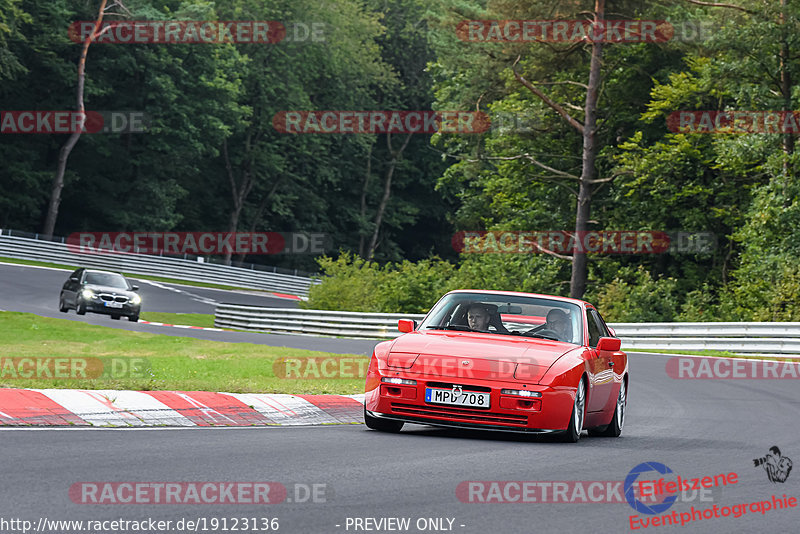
(63,155)
(239,192)
(364,190)
(786,92)
(579,277)
(387,190)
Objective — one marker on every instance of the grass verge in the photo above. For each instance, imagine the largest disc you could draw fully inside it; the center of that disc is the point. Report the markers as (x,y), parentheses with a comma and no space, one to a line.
(206,320)
(143,361)
(714,353)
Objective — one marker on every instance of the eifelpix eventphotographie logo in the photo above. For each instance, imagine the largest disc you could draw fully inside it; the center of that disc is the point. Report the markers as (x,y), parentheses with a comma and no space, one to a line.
(777,466)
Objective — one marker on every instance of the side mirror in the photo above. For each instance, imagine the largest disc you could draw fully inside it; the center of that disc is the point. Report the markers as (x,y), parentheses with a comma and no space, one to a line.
(611,344)
(406,325)
(135,288)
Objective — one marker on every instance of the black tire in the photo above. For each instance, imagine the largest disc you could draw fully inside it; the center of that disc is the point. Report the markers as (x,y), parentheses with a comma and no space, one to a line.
(133,318)
(116,317)
(81,308)
(614,428)
(382,425)
(573,432)
(62,306)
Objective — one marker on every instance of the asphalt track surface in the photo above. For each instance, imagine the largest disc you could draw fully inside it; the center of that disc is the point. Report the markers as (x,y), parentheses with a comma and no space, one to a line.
(697,428)
(35,290)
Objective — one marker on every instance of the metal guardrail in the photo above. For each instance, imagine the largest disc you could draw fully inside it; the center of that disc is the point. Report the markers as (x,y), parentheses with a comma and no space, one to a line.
(748,338)
(163,266)
(315,322)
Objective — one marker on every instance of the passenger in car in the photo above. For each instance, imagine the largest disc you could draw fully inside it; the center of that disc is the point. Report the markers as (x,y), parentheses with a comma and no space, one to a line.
(558,323)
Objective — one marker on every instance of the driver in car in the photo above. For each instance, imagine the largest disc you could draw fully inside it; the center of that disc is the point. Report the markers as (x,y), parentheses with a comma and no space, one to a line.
(478,317)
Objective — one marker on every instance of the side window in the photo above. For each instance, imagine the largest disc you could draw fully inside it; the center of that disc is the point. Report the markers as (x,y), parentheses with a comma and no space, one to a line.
(594,330)
(597,328)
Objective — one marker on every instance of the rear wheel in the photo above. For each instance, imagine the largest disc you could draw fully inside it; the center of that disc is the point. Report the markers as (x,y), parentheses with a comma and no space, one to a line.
(573,432)
(614,428)
(62,306)
(382,425)
(81,308)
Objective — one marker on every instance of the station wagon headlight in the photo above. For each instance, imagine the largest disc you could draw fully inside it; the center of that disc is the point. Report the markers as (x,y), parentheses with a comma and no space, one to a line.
(521,393)
(393,380)
(87,294)
(136,299)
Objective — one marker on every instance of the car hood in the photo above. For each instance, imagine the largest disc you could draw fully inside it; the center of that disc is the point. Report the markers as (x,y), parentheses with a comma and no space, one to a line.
(106,289)
(475,355)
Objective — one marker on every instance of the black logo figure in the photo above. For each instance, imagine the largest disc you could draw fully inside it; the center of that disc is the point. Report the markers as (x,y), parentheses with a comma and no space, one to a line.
(777,467)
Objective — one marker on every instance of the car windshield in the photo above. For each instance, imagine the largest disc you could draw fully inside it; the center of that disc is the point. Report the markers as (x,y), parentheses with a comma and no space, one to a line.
(536,317)
(106,279)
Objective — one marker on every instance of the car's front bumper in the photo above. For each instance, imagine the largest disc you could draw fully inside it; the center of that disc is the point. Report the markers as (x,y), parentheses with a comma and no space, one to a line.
(100,306)
(509,413)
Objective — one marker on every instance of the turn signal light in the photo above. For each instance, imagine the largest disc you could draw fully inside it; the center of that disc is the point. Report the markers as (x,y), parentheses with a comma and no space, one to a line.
(521,392)
(393,380)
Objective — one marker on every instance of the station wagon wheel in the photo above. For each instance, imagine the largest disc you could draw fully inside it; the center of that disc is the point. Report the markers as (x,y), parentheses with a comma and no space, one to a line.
(62,306)
(81,308)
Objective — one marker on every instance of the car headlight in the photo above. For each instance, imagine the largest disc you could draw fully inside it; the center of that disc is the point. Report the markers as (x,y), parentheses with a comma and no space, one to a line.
(136,300)
(87,294)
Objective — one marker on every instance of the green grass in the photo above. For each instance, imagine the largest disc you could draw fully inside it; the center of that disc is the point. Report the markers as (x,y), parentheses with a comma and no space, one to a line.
(132,275)
(205,320)
(158,362)
(714,353)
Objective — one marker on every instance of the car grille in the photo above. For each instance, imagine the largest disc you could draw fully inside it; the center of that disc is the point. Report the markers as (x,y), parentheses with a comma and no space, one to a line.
(475,416)
(111,298)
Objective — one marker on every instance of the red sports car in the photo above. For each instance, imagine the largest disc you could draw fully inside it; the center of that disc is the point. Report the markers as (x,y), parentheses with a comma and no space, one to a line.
(500,360)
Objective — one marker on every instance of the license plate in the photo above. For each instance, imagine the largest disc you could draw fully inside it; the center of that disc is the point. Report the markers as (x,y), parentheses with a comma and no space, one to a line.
(113,304)
(472,399)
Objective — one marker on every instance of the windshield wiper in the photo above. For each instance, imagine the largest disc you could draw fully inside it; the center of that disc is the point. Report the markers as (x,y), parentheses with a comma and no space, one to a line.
(551,338)
(459,327)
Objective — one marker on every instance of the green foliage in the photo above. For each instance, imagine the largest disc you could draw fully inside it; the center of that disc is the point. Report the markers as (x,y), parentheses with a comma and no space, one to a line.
(634,296)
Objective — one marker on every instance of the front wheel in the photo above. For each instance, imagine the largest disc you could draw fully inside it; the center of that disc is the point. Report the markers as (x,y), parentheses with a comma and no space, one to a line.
(573,432)
(614,428)
(81,308)
(382,425)
(133,318)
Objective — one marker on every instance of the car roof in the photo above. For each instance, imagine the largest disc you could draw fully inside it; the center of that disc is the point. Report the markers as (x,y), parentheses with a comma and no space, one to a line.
(521,294)
(97,271)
